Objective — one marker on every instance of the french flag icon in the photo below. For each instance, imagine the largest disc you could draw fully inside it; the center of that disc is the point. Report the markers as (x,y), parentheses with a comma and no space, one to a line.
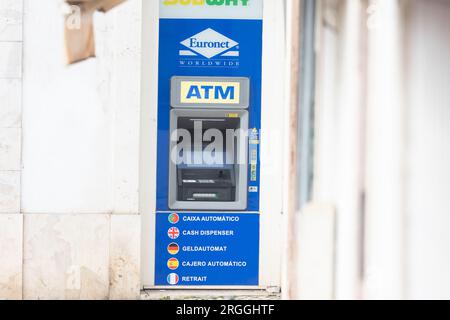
(173,279)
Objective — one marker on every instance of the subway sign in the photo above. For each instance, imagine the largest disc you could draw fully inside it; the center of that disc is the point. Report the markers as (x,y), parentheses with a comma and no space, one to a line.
(243,3)
(211,9)
(207,92)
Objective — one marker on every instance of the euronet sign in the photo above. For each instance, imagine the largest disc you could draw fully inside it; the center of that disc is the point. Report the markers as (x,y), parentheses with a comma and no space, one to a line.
(206,2)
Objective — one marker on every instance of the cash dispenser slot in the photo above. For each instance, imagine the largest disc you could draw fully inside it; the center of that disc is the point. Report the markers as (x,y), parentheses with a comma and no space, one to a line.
(206,184)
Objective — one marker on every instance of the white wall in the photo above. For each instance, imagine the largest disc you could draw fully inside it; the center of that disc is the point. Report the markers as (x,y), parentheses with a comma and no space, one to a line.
(428,151)
(339,148)
(272,157)
(80,121)
(81,158)
(384,227)
(148,147)
(404,97)
(11,221)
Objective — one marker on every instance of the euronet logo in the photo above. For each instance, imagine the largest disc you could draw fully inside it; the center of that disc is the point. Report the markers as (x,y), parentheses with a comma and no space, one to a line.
(212,45)
(243,3)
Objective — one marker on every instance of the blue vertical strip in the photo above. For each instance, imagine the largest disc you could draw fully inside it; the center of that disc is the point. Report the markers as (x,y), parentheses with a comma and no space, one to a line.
(237,232)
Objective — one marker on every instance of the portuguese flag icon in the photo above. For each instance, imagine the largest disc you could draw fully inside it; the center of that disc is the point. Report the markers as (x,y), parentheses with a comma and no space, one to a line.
(173,248)
(174,218)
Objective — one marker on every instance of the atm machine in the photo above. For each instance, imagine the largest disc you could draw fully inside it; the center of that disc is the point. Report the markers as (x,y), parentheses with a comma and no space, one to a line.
(207,230)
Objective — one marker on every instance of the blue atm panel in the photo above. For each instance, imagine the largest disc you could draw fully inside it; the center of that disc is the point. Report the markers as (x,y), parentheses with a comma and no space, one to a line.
(207,211)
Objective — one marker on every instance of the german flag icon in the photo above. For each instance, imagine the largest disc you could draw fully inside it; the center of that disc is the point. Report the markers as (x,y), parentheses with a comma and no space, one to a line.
(173,248)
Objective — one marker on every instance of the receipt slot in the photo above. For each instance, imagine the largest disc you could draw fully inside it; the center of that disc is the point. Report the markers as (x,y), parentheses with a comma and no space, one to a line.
(209,143)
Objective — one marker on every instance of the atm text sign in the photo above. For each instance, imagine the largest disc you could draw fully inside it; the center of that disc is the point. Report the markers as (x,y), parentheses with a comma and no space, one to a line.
(205,92)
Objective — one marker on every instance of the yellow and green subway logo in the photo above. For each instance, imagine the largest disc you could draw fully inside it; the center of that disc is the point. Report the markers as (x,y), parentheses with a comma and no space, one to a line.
(243,3)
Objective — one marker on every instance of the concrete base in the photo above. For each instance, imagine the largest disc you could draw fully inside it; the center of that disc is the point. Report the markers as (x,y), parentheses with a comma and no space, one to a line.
(209,295)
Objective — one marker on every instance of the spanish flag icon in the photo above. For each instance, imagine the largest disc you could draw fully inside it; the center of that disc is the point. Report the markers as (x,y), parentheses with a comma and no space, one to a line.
(173,264)
(173,248)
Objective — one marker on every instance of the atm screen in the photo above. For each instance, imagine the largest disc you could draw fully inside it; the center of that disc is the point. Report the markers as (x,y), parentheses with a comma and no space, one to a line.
(214,179)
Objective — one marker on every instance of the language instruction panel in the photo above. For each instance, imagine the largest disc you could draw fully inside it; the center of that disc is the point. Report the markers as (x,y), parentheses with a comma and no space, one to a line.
(207,249)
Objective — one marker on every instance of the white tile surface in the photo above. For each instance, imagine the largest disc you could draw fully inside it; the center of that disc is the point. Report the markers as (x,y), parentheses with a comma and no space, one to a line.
(10,59)
(118,37)
(315,253)
(11,20)
(428,152)
(11,256)
(66,256)
(10,102)
(9,191)
(10,149)
(125,257)
(81,123)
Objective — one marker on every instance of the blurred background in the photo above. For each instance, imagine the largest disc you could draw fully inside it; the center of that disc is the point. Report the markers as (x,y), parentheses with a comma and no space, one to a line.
(362,182)
(373,150)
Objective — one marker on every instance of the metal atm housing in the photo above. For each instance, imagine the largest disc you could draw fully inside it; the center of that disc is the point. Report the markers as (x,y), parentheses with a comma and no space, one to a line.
(222,182)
